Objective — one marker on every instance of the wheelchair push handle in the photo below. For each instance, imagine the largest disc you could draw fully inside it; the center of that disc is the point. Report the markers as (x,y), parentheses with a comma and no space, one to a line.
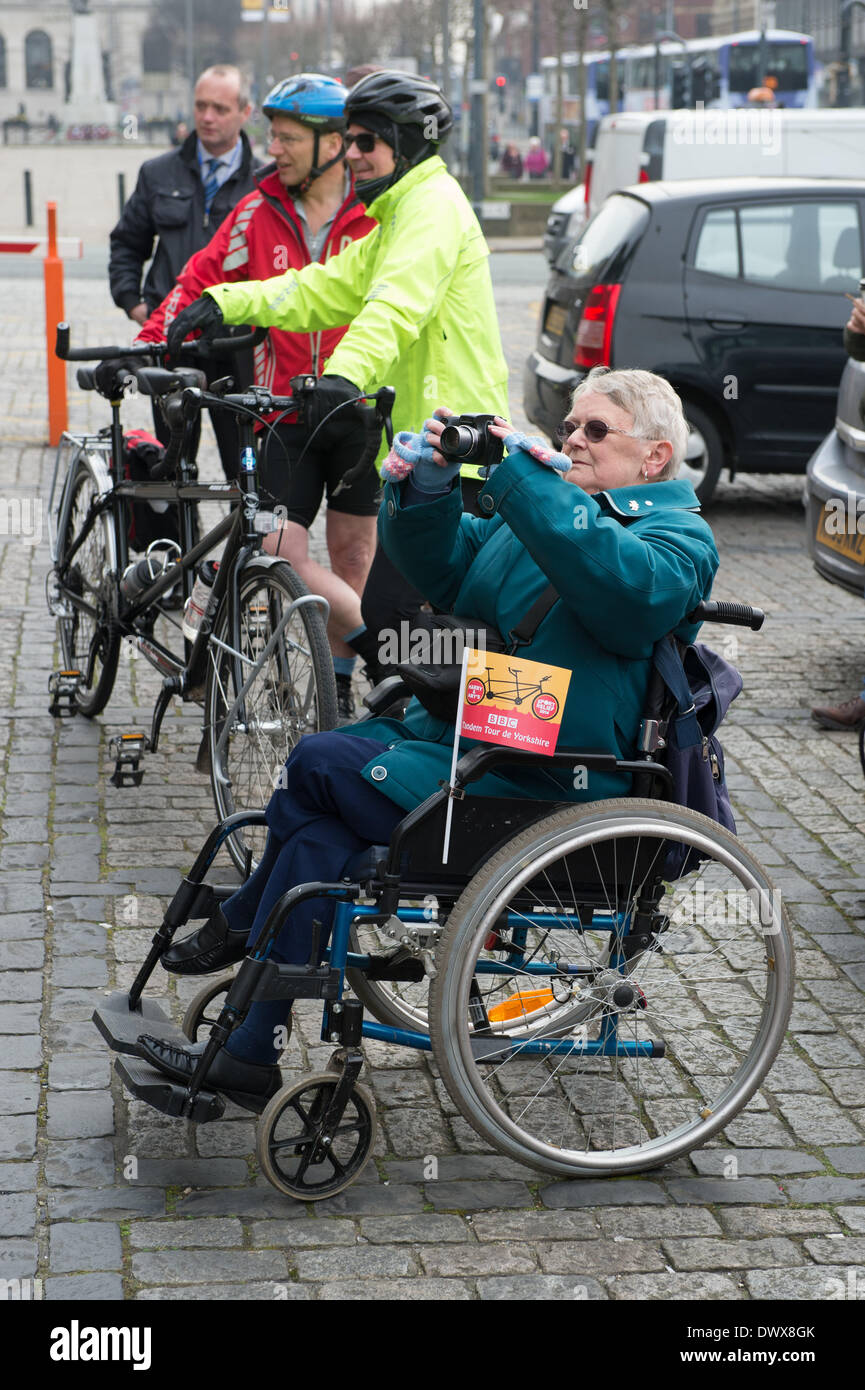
(739,614)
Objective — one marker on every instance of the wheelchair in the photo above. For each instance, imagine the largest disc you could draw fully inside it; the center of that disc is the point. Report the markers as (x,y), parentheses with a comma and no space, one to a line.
(591,1009)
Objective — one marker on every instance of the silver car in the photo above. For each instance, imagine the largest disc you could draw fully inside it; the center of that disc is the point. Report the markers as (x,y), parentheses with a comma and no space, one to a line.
(835,489)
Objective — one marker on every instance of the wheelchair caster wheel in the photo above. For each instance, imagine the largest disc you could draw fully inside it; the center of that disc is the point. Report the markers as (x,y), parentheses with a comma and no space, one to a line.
(295,1153)
(200,1017)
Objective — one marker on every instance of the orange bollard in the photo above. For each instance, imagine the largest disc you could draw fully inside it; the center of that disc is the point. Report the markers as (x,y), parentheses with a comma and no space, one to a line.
(58,417)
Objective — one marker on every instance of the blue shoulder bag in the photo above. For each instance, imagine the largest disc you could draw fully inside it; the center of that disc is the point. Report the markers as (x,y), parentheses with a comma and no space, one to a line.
(704,686)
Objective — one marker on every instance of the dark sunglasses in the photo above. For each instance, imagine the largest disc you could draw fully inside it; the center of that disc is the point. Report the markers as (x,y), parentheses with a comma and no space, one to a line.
(594,430)
(365,142)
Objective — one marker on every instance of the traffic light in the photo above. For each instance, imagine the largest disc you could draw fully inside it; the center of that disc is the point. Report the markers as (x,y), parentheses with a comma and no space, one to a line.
(680,86)
(501,84)
(705,82)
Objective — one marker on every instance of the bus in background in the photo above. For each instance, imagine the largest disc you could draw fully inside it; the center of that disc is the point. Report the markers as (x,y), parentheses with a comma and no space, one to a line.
(734,64)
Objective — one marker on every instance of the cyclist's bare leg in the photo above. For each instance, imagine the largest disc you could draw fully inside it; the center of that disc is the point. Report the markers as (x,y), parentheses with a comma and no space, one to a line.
(351,542)
(291,542)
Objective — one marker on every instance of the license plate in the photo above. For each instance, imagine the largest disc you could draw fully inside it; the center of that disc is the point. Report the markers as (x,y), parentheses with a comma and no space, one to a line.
(554,323)
(848,543)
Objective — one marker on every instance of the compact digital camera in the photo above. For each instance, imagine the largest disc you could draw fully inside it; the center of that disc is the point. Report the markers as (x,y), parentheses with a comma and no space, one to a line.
(467,439)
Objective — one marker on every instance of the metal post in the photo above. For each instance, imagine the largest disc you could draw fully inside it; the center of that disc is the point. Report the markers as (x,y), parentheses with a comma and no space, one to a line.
(536,62)
(446,49)
(190,58)
(121,192)
(843,89)
(28,198)
(478,147)
(54,313)
(262,60)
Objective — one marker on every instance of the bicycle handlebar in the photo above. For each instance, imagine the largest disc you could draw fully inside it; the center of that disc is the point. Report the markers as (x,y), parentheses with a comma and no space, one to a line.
(202,346)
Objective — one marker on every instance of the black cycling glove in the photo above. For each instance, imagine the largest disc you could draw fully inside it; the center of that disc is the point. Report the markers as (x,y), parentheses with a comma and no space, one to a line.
(332,393)
(204,314)
(109,376)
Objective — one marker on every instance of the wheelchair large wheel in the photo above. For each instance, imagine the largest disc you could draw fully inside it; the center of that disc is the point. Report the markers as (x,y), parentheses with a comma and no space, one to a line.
(295,1154)
(293,694)
(681,988)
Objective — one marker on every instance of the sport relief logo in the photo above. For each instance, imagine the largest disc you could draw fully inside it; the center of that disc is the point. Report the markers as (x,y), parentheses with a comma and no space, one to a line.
(513,702)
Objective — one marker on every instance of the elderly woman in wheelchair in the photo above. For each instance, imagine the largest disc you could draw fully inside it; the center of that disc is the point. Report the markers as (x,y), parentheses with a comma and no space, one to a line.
(589,1008)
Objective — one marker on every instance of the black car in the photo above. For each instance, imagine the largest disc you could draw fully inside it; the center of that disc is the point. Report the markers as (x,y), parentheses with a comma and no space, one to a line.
(731,289)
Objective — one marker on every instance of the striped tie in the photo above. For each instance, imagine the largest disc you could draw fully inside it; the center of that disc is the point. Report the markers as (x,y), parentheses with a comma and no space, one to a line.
(211,183)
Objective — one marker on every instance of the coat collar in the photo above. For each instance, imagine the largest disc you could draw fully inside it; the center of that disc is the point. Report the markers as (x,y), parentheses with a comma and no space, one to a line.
(631,502)
(381,207)
(188,152)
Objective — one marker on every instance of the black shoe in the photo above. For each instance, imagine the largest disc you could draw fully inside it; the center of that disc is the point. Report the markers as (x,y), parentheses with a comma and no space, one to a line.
(212,947)
(346,712)
(246,1083)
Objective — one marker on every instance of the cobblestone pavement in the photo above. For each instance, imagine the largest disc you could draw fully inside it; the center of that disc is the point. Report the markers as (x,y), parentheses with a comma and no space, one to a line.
(100,1197)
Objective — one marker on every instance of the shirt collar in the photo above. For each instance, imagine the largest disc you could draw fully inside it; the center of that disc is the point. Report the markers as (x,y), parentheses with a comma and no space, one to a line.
(228,160)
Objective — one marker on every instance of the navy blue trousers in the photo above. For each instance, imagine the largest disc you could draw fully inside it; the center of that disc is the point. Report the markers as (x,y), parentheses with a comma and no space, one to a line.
(320,816)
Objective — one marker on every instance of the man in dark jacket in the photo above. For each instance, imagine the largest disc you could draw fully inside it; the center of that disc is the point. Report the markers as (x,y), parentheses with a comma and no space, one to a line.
(181,198)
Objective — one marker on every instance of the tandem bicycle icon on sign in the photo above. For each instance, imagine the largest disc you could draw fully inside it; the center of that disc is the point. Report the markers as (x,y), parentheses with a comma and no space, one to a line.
(496,693)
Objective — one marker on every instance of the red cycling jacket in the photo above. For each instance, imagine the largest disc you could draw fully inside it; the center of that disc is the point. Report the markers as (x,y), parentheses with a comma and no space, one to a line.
(262,237)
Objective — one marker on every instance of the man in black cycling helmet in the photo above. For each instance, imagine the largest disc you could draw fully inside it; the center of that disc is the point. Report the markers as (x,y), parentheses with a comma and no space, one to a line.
(410,115)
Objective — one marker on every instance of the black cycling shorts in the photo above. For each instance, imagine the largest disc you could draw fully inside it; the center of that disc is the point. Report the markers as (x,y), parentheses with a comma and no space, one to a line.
(298,484)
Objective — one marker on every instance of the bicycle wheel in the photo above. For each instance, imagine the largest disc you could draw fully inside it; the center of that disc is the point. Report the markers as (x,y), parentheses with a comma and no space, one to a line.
(681,989)
(84,599)
(294,693)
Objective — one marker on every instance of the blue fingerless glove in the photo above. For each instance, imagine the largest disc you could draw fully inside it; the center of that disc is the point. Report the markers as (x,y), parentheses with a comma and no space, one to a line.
(412,454)
(538,450)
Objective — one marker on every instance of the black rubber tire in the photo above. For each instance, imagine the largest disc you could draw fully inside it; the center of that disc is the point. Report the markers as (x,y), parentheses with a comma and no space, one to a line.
(302,1099)
(707,470)
(84,639)
(196,1009)
(712,989)
(294,694)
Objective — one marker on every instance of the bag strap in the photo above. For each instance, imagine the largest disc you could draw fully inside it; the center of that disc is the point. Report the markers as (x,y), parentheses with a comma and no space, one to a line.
(522,633)
(669,666)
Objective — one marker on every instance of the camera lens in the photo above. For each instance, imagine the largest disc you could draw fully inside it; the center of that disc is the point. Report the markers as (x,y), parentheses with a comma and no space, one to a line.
(461,442)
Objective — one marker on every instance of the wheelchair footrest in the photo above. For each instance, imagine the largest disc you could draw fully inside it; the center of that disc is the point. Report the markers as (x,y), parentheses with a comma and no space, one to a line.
(169,1097)
(128,750)
(121,1027)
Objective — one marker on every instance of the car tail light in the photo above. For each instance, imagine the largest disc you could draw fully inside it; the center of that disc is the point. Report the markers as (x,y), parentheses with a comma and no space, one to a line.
(595,333)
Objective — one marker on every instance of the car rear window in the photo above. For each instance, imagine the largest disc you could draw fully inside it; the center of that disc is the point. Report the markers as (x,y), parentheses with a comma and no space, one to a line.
(619,220)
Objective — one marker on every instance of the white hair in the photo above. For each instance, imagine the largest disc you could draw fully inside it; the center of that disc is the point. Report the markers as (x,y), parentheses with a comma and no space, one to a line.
(651,402)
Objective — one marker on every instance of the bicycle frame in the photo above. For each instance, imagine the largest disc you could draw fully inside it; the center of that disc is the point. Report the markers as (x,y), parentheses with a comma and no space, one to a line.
(243,542)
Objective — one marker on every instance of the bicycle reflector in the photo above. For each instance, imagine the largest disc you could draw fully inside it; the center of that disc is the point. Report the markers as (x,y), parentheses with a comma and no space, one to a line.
(594,338)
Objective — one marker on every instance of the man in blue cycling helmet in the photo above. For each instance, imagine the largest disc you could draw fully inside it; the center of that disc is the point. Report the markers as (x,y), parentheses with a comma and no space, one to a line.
(303,211)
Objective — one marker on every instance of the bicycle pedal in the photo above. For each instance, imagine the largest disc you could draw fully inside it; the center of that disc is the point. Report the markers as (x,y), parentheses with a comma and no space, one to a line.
(63,686)
(128,750)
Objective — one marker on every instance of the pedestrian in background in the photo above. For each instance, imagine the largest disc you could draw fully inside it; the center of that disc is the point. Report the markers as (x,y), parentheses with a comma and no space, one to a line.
(512,162)
(537,161)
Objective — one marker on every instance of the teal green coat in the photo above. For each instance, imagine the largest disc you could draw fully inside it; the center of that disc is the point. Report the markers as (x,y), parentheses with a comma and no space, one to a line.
(629,565)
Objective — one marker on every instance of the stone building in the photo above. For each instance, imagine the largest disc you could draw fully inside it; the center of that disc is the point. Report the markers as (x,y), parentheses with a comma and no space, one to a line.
(35,60)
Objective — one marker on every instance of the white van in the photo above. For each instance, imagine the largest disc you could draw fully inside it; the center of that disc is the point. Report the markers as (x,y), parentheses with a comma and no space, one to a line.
(642,147)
